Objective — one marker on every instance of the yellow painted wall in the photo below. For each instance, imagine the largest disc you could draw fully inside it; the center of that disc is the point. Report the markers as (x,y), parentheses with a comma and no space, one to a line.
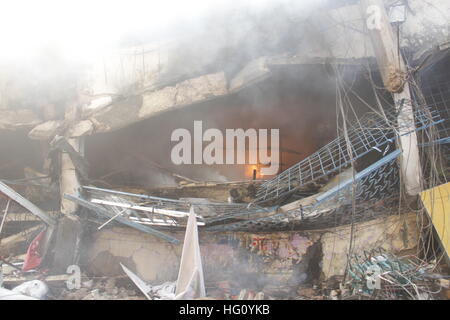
(437,203)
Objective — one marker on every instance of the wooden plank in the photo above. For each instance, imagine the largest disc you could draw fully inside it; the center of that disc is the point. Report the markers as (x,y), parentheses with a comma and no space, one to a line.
(12,280)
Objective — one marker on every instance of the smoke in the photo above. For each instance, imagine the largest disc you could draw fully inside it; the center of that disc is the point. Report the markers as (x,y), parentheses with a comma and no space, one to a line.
(300,102)
(50,48)
(82,28)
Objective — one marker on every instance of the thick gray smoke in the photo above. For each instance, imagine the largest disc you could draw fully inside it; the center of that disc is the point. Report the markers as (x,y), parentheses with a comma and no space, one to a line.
(224,36)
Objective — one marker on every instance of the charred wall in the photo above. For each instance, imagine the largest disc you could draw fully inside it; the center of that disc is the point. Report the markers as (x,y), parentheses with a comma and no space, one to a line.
(276,262)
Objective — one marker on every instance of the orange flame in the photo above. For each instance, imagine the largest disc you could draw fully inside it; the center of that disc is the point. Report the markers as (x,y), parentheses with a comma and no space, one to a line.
(249,171)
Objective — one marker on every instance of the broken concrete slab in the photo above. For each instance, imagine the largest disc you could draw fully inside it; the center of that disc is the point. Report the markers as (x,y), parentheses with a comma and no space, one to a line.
(95,105)
(18,119)
(185,93)
(82,128)
(132,109)
(46,130)
(115,116)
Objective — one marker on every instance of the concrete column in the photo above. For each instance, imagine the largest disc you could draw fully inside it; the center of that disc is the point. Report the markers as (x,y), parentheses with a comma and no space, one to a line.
(394,72)
(69,182)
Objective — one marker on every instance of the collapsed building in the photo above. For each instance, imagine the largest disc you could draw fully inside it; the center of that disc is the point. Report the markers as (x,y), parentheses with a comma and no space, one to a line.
(359,91)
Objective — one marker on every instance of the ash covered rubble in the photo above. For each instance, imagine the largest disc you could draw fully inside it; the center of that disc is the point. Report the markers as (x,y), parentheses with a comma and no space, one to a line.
(93,208)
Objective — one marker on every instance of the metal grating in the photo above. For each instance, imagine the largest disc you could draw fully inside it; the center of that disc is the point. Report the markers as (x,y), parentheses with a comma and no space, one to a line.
(151,210)
(437,93)
(371,132)
(376,189)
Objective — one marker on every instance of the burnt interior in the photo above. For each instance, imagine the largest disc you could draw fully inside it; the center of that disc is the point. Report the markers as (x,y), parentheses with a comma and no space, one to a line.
(18,152)
(300,101)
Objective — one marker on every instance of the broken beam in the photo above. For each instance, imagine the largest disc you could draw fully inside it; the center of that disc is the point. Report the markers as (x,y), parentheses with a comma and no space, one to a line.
(122,220)
(12,280)
(26,204)
(170,213)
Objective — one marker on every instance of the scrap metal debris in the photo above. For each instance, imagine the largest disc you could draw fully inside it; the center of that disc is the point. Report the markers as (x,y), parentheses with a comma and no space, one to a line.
(376,183)
(381,275)
(372,132)
(165,291)
(301,233)
(102,212)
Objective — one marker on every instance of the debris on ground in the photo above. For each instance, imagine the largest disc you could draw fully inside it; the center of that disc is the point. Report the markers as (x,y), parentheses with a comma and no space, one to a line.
(381,275)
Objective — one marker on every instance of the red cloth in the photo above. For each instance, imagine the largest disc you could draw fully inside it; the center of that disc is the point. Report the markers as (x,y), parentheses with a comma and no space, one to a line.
(33,258)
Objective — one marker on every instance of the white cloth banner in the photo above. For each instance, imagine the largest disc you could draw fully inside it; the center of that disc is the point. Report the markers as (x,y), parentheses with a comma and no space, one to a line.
(190,283)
